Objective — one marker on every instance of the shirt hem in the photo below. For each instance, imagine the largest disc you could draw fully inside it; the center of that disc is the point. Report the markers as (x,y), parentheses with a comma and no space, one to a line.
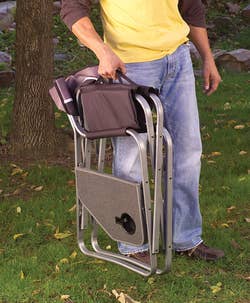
(137,59)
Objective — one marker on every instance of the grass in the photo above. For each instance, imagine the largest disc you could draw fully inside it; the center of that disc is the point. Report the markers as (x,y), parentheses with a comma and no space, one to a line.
(36,201)
(34,269)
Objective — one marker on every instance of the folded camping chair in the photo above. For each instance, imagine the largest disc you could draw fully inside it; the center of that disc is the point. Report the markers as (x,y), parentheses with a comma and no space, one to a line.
(123,209)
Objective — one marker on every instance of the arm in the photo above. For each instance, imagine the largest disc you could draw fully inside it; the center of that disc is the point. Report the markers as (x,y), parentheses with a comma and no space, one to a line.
(75,14)
(193,13)
(211,76)
(109,62)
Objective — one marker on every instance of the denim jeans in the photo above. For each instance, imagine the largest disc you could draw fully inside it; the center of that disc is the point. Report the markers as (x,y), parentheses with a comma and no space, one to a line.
(173,76)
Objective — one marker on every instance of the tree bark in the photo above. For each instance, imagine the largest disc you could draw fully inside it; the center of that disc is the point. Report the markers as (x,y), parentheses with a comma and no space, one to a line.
(33,129)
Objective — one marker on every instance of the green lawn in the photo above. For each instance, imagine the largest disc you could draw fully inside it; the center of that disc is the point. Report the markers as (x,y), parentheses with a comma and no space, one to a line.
(36,202)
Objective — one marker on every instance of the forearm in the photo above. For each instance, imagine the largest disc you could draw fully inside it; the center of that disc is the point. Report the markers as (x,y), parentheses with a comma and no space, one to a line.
(198,36)
(109,62)
(84,30)
(211,76)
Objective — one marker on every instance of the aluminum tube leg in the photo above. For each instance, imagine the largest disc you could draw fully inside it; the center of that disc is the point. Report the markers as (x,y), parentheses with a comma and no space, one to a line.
(81,213)
(150,127)
(146,193)
(82,154)
(101,154)
(158,200)
(168,203)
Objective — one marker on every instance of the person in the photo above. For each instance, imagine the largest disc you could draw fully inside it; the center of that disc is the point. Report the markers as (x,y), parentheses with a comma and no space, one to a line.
(148,40)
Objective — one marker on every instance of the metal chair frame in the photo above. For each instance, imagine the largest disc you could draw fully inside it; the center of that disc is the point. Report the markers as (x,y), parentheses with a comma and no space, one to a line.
(159,219)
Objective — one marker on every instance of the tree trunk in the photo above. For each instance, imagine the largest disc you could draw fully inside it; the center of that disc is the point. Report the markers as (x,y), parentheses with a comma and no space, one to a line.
(33,129)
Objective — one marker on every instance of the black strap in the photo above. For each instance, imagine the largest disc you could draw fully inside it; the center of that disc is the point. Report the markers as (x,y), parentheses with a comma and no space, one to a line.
(140,89)
(121,76)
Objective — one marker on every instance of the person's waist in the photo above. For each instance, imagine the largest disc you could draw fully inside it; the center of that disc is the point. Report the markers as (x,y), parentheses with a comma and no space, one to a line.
(136,53)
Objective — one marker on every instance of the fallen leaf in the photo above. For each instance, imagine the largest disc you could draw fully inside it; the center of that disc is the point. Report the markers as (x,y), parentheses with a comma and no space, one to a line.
(36,292)
(215,154)
(38,188)
(49,224)
(73,255)
(225,225)
(216,288)
(57,115)
(64,297)
(229,209)
(241,179)
(247,220)
(206,136)
(16,236)
(16,192)
(21,275)
(17,170)
(123,298)
(73,208)
(211,161)
(64,235)
(227,106)
(247,278)
(18,210)
(13,165)
(151,280)
(230,122)
(240,126)
(25,174)
(57,268)
(64,261)
(242,153)
(108,247)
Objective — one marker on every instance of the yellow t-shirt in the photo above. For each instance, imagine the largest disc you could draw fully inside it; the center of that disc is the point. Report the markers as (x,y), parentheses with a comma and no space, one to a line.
(143,30)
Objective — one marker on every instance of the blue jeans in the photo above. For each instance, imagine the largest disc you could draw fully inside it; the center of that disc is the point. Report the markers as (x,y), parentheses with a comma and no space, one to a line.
(173,76)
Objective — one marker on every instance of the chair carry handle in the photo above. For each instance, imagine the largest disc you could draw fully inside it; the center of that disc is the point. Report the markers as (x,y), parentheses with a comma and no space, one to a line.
(120,77)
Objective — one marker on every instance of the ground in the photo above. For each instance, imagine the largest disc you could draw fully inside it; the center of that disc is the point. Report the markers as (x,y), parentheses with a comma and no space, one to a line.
(37,205)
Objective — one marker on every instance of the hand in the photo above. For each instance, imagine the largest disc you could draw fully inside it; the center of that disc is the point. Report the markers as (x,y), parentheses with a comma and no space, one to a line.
(211,76)
(109,62)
